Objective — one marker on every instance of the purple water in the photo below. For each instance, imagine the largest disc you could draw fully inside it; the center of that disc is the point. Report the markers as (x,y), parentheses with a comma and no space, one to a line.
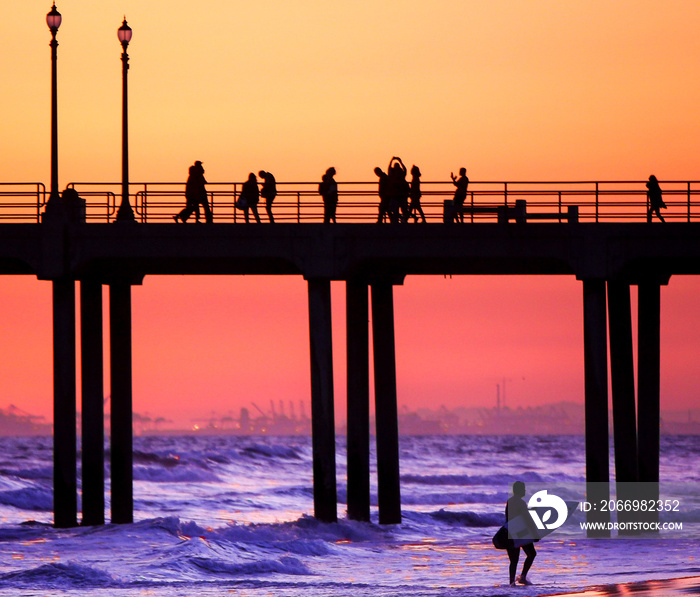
(232,516)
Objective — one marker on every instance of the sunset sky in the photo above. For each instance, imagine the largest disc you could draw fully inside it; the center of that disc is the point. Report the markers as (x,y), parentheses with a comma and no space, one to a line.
(529,90)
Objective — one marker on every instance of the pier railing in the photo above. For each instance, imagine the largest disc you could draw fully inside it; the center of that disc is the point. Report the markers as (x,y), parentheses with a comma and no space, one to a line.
(299,202)
(22,201)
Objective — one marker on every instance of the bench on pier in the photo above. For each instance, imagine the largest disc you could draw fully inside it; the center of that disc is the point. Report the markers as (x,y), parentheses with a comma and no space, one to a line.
(506,213)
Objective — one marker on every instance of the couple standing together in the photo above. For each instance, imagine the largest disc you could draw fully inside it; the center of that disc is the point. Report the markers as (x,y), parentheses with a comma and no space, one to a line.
(195,195)
(250,195)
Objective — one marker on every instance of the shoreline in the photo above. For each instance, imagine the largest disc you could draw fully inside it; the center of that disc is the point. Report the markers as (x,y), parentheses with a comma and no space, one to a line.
(667,587)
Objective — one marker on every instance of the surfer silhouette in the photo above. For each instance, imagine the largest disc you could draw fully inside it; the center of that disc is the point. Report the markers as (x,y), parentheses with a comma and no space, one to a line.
(516,508)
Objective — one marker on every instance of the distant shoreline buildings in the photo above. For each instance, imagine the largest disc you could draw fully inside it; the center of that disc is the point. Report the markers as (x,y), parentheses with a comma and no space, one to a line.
(561,418)
(15,422)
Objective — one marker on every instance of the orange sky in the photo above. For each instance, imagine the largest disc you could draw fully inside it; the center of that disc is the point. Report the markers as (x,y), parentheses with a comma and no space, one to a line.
(557,89)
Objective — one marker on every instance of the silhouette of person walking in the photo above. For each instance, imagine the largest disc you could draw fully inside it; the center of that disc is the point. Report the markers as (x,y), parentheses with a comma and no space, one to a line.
(460,192)
(328,189)
(250,195)
(516,507)
(268,192)
(654,198)
(383,192)
(415,195)
(195,195)
(398,191)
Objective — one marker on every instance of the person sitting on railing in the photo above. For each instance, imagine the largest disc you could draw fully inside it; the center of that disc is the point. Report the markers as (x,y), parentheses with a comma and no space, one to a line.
(328,189)
(654,198)
(460,192)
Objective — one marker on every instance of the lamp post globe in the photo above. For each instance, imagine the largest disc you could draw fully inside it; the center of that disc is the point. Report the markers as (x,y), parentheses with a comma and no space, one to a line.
(125,212)
(53,19)
(124,34)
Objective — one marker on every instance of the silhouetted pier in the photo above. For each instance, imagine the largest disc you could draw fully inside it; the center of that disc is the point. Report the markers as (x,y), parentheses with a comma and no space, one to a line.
(597,232)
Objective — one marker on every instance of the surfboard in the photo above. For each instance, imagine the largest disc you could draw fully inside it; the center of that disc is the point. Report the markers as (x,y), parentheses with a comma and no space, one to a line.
(520,532)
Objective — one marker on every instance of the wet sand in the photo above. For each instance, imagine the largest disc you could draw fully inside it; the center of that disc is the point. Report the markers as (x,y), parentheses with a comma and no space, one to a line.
(672,587)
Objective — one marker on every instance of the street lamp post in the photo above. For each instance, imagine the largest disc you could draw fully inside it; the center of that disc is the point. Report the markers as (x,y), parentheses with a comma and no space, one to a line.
(125,212)
(53,20)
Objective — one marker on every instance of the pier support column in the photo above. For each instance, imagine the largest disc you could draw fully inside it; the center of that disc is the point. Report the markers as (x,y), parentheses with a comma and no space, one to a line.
(357,324)
(622,377)
(648,391)
(623,394)
(648,378)
(322,407)
(595,341)
(386,412)
(92,371)
(122,500)
(65,487)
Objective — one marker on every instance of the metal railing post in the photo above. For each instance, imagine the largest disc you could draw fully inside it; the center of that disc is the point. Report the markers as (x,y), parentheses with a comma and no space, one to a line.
(111,205)
(688,192)
(596,202)
(38,200)
(298,207)
(144,216)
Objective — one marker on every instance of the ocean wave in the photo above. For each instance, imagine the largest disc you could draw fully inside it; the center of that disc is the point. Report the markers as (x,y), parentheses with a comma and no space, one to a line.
(469,519)
(304,491)
(285,565)
(499,480)
(304,537)
(28,498)
(169,460)
(180,474)
(172,525)
(57,575)
(25,531)
(448,518)
(42,472)
(417,499)
(272,451)
(292,535)
(9,482)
